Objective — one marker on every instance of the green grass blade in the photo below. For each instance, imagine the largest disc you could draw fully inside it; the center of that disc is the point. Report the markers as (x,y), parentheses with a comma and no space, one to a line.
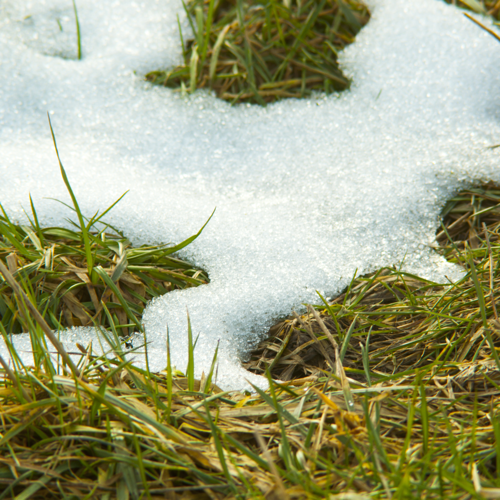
(424,415)
(78,35)
(190,365)
(96,219)
(216,52)
(189,240)
(345,342)
(107,280)
(37,225)
(184,54)
(208,27)
(365,352)
(169,378)
(83,227)
(208,382)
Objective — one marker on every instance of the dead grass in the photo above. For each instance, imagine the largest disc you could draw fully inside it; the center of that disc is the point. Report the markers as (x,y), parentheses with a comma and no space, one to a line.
(489,7)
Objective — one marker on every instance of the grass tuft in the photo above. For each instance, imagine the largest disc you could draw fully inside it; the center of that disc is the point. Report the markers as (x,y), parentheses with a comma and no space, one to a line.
(262,52)
(89,275)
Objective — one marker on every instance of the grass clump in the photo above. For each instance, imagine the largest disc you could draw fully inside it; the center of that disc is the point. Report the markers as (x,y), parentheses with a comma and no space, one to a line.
(88,275)
(423,356)
(260,52)
(397,397)
(52,264)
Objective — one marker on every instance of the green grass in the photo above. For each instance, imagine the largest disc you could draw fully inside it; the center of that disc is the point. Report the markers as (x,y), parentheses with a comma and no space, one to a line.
(401,402)
(78,34)
(421,357)
(262,52)
(87,275)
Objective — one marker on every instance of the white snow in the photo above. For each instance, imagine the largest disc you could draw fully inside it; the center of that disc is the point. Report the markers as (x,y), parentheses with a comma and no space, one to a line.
(307,191)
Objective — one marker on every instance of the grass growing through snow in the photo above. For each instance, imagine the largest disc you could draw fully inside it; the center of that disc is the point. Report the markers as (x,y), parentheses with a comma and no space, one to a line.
(262,52)
(436,346)
(88,275)
(52,264)
(398,397)
(78,34)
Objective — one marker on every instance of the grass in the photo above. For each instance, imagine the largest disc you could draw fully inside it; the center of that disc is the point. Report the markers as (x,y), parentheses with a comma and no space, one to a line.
(262,52)
(87,275)
(486,7)
(435,346)
(389,391)
(394,393)
(78,35)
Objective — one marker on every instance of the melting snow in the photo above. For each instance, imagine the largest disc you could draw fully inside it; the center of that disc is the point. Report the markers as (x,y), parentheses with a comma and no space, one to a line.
(306,191)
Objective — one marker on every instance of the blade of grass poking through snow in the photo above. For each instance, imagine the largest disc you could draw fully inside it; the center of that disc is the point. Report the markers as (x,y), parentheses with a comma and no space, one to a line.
(78,36)
(83,227)
(189,240)
(37,225)
(94,220)
(208,381)
(184,55)
(190,365)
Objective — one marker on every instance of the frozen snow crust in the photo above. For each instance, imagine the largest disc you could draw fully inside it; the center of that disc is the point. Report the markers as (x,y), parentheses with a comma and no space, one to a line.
(306,191)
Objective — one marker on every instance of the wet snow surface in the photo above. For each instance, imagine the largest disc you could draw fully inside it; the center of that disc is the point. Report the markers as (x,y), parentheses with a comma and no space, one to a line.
(306,191)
